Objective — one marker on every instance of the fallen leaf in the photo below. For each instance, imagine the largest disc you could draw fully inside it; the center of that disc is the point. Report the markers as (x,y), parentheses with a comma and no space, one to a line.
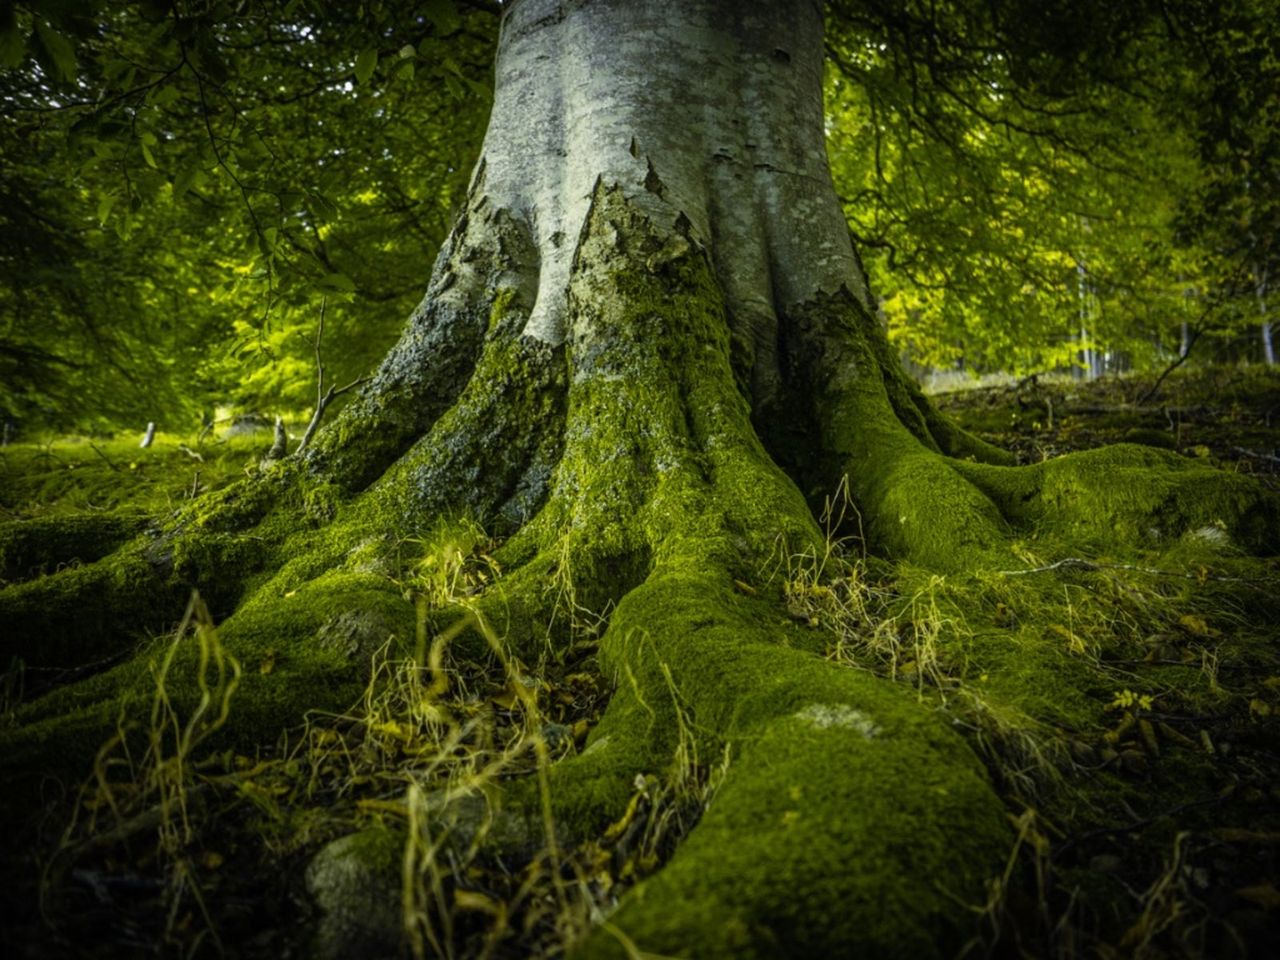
(1263,894)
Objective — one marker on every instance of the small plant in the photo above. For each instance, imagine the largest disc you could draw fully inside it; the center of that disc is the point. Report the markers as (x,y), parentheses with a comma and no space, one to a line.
(157,792)
(1128,700)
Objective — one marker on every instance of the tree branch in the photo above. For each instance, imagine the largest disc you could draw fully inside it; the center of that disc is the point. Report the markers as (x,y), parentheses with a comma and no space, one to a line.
(323,397)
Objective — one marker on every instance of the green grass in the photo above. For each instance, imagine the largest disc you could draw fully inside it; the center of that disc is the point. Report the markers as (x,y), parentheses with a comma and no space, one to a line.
(81,475)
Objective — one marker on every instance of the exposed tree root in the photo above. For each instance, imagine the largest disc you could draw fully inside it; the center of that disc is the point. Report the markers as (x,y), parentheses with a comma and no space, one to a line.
(640,500)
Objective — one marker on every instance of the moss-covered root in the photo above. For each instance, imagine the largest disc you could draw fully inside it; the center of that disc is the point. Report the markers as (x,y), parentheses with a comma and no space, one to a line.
(1134,494)
(82,616)
(956,512)
(423,376)
(851,821)
(30,548)
(307,651)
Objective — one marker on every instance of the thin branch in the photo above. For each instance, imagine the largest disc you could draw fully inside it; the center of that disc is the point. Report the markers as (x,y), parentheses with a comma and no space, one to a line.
(105,458)
(323,397)
(1079,563)
(1265,457)
(324,305)
(1193,336)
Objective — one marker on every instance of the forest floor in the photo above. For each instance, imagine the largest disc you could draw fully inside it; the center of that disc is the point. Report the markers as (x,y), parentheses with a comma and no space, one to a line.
(1154,833)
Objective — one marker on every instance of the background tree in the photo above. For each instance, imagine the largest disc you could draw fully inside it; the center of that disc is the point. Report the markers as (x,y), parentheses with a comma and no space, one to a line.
(1018,151)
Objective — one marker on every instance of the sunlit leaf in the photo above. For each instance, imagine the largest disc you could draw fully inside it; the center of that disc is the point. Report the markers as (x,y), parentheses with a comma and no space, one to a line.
(337,282)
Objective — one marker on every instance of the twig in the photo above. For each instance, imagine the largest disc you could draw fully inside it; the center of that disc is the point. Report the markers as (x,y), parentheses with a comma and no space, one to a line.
(1079,563)
(323,397)
(1266,457)
(107,460)
(1137,823)
(207,428)
(1193,336)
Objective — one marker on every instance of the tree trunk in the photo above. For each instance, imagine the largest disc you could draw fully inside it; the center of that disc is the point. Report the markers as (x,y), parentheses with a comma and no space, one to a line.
(645,357)
(1260,290)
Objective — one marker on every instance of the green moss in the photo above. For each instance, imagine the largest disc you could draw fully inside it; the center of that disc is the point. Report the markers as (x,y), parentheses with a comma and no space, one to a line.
(852,818)
(1151,437)
(438,355)
(29,548)
(80,616)
(661,498)
(491,454)
(843,792)
(304,652)
(321,501)
(1127,493)
(75,476)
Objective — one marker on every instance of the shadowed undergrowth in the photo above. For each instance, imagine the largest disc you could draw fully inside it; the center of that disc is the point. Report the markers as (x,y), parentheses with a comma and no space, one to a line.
(1123,705)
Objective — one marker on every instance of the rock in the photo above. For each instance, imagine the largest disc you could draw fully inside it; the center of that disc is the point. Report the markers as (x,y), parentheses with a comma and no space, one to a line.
(355,634)
(355,881)
(1209,535)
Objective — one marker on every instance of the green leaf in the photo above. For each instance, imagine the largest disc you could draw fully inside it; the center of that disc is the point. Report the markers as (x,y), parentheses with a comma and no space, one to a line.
(163,95)
(443,15)
(147,155)
(105,203)
(214,67)
(337,282)
(190,177)
(59,50)
(13,49)
(267,241)
(365,64)
(183,180)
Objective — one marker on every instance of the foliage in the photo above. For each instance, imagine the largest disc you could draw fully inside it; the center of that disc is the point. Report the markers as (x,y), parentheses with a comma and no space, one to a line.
(186,181)
(1030,181)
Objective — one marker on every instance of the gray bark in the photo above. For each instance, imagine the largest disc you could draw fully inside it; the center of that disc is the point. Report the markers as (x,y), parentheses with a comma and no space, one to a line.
(706,109)
(707,114)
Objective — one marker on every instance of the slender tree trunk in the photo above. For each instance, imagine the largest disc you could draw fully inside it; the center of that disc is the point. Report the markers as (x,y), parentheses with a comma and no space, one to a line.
(1260,288)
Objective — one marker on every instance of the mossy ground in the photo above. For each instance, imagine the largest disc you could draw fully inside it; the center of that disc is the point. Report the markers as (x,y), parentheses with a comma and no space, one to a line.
(1124,707)
(66,476)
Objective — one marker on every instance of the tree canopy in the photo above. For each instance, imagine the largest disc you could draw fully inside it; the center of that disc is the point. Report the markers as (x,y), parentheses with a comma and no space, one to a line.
(187,182)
